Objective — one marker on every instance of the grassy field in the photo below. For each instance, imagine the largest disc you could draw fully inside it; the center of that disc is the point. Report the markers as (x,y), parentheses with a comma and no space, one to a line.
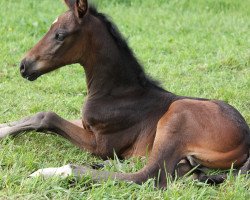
(195,48)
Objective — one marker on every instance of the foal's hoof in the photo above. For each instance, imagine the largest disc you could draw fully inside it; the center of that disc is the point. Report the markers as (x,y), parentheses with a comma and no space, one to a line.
(61,172)
(212,179)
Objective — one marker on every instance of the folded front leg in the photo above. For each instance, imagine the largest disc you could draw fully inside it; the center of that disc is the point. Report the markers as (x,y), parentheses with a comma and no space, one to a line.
(52,123)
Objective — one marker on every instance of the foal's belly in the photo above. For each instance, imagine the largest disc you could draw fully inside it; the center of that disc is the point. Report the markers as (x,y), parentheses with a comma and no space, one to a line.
(135,141)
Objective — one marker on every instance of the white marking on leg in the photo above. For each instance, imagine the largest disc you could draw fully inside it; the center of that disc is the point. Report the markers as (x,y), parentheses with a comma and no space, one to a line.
(3,125)
(5,131)
(62,172)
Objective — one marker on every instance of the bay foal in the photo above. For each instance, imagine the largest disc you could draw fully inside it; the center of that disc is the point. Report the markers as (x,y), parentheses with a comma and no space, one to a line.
(126,112)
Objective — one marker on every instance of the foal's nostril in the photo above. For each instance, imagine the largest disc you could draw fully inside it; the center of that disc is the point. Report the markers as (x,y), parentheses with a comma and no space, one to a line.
(22,67)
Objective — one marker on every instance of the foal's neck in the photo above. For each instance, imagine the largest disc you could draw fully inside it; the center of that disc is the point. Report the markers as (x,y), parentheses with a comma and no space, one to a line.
(118,73)
(111,65)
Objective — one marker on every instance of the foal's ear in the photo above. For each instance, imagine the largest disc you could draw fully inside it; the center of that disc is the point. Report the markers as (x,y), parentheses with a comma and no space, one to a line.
(70,3)
(80,7)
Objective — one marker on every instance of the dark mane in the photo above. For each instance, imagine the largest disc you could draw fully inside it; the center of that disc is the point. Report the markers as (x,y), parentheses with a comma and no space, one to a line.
(113,30)
(121,42)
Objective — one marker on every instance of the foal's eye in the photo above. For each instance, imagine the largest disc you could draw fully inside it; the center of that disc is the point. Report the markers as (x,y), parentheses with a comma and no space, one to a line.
(59,36)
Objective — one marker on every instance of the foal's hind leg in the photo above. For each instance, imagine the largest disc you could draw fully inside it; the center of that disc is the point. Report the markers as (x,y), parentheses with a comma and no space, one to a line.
(51,122)
(162,163)
(186,168)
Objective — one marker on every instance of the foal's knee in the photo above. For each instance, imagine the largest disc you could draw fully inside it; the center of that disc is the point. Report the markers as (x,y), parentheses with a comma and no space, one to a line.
(45,120)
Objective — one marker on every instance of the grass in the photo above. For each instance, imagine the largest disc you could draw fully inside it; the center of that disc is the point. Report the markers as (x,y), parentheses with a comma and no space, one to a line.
(194,48)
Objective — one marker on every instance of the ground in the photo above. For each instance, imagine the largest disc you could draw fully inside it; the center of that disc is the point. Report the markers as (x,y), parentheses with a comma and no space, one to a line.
(194,48)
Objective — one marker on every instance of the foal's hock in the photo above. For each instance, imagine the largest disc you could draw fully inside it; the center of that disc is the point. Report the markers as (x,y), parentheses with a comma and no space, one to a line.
(126,112)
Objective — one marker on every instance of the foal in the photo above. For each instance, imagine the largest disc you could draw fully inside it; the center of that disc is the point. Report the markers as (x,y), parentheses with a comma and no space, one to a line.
(126,112)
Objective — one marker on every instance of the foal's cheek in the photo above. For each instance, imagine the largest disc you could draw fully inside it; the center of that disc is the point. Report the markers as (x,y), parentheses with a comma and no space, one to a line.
(54,48)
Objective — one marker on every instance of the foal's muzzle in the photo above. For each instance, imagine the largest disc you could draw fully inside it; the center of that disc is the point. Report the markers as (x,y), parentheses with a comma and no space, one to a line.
(27,72)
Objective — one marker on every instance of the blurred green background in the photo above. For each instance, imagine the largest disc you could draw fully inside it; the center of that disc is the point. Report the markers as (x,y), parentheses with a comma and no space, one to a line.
(194,48)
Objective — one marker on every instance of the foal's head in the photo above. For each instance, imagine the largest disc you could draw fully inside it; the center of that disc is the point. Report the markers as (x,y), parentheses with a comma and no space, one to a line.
(73,38)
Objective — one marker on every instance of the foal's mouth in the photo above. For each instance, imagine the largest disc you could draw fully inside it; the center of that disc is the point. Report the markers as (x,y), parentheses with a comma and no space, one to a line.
(31,77)
(28,70)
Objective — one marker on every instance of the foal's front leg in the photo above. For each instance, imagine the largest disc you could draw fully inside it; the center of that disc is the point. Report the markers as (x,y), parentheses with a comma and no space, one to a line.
(10,128)
(51,122)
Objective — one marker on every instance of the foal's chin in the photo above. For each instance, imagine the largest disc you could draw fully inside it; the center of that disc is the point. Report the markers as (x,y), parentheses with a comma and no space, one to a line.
(31,77)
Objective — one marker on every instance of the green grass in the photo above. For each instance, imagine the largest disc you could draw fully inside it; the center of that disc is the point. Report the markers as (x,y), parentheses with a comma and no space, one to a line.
(195,48)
